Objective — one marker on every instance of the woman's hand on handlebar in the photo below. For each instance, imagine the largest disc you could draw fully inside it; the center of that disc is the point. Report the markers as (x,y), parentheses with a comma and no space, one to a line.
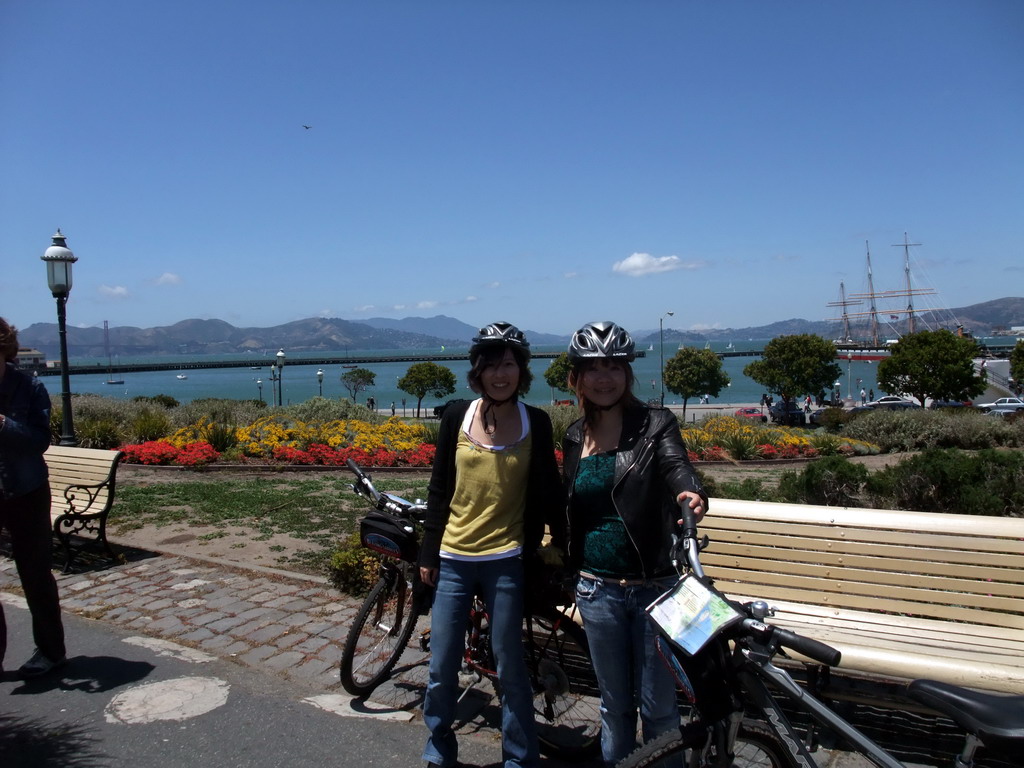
(429,576)
(694,501)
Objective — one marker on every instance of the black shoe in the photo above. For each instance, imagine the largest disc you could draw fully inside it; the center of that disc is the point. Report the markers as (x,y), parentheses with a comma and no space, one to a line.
(39,665)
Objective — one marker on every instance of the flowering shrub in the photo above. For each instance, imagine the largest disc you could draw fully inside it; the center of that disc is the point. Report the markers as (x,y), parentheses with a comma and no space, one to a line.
(718,436)
(153,452)
(197,455)
(265,435)
(161,452)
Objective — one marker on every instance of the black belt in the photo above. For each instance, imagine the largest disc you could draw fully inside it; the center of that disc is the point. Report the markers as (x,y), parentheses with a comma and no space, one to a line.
(625,582)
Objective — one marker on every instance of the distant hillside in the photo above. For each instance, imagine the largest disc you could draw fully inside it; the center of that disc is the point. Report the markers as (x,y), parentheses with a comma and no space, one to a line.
(443,326)
(979,319)
(312,335)
(211,337)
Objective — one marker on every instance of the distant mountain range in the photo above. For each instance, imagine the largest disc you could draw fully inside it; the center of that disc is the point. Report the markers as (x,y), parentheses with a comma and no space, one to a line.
(318,335)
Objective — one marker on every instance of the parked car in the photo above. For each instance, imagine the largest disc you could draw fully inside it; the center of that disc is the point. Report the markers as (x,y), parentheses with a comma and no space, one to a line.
(892,403)
(1003,402)
(790,414)
(936,404)
(1005,412)
(751,413)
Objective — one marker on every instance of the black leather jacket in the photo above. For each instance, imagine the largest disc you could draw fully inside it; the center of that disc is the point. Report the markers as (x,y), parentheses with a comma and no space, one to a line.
(651,470)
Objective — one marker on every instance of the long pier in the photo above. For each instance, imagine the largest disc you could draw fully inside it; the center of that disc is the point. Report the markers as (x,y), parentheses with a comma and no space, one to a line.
(267,363)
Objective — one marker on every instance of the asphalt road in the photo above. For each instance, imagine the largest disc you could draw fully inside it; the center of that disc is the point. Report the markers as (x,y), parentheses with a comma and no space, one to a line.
(126,699)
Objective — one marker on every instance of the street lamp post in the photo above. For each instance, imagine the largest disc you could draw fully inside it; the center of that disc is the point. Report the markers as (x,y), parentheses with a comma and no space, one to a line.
(59,258)
(273,385)
(280,372)
(259,386)
(849,363)
(320,380)
(661,347)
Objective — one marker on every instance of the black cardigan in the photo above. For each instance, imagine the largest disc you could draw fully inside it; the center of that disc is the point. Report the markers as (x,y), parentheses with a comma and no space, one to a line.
(544,497)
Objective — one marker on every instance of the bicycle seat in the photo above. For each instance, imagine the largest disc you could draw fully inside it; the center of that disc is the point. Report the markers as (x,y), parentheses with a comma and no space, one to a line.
(997,720)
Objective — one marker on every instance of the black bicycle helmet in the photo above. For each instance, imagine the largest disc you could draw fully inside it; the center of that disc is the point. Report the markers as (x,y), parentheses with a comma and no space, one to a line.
(500,333)
(604,339)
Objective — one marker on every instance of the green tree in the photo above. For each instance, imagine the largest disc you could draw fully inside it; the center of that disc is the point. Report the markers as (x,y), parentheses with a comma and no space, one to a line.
(935,364)
(1017,363)
(795,365)
(357,380)
(557,374)
(427,378)
(692,372)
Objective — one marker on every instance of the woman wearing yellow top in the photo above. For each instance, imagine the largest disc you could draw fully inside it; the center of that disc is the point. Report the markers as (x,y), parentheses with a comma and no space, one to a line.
(493,487)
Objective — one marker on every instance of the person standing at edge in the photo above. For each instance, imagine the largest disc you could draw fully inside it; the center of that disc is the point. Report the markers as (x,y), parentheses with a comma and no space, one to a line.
(493,486)
(25,504)
(626,475)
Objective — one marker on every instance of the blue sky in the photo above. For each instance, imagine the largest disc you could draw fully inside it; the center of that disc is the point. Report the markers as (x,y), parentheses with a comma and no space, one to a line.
(548,163)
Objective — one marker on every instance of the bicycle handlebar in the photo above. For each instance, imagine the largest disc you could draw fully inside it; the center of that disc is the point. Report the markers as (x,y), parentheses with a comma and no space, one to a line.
(385,502)
(812,649)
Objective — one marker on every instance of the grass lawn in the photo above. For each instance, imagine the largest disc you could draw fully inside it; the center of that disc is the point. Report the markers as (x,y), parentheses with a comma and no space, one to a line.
(316,509)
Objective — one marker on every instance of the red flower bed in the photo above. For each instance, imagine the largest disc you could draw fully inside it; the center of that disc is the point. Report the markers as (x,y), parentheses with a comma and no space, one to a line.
(162,453)
(201,453)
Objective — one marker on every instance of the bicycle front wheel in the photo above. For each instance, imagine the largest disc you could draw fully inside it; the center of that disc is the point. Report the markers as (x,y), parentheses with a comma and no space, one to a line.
(379,633)
(566,699)
(756,747)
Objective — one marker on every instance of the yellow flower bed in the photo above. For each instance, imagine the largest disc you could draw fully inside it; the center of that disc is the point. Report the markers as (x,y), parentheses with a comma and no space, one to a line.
(264,435)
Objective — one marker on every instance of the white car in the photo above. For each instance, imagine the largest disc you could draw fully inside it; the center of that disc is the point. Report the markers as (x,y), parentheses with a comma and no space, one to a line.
(892,403)
(1004,412)
(1003,402)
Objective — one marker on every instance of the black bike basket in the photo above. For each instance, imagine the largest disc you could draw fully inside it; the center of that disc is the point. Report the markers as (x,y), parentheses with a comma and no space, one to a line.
(389,536)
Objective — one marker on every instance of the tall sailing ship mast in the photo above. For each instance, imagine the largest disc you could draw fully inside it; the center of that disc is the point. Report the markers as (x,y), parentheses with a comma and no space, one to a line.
(110,365)
(874,324)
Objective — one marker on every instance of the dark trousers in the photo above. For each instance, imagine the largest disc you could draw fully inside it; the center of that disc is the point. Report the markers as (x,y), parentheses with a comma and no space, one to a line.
(27,520)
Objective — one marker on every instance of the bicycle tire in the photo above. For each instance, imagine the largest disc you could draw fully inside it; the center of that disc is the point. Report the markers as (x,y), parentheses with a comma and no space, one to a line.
(756,746)
(567,701)
(379,633)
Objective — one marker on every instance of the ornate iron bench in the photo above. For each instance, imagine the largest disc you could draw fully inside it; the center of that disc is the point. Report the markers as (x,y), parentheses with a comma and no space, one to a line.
(82,484)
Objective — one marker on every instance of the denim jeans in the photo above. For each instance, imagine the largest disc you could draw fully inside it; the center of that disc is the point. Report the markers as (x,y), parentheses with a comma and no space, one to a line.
(630,671)
(500,583)
(27,520)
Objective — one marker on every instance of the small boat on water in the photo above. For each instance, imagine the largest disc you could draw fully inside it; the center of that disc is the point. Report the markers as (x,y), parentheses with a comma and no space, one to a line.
(181,376)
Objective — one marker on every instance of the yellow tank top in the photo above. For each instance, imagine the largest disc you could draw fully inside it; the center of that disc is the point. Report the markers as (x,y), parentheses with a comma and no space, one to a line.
(487,509)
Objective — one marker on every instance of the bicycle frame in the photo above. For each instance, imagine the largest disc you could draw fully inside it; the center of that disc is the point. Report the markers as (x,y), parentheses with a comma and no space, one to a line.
(752,675)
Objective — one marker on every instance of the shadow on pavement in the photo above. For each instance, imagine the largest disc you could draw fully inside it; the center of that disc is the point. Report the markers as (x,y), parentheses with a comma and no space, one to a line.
(90,674)
(31,742)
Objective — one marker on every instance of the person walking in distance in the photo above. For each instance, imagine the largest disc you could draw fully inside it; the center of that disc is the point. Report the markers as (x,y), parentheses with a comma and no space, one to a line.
(493,487)
(626,474)
(25,505)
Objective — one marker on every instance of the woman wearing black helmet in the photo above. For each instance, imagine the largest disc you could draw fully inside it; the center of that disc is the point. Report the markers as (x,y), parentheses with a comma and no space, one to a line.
(493,487)
(626,473)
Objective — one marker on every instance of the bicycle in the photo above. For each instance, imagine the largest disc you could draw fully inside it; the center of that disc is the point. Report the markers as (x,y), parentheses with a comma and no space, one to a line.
(566,699)
(721,654)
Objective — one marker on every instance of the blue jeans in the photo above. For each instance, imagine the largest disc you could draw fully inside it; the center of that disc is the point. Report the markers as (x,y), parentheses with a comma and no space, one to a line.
(500,583)
(630,671)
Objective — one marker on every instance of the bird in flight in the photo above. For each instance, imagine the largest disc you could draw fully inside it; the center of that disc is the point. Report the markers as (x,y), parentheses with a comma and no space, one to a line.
(307,127)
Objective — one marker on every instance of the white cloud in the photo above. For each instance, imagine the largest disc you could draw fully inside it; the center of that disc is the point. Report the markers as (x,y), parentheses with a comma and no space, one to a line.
(114,292)
(168,278)
(470,299)
(493,285)
(571,275)
(366,308)
(640,264)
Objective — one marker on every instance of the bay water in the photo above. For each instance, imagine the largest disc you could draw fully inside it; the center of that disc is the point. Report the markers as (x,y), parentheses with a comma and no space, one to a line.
(300,380)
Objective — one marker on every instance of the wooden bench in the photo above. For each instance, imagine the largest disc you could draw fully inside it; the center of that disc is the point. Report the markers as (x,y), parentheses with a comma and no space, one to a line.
(81,493)
(902,594)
